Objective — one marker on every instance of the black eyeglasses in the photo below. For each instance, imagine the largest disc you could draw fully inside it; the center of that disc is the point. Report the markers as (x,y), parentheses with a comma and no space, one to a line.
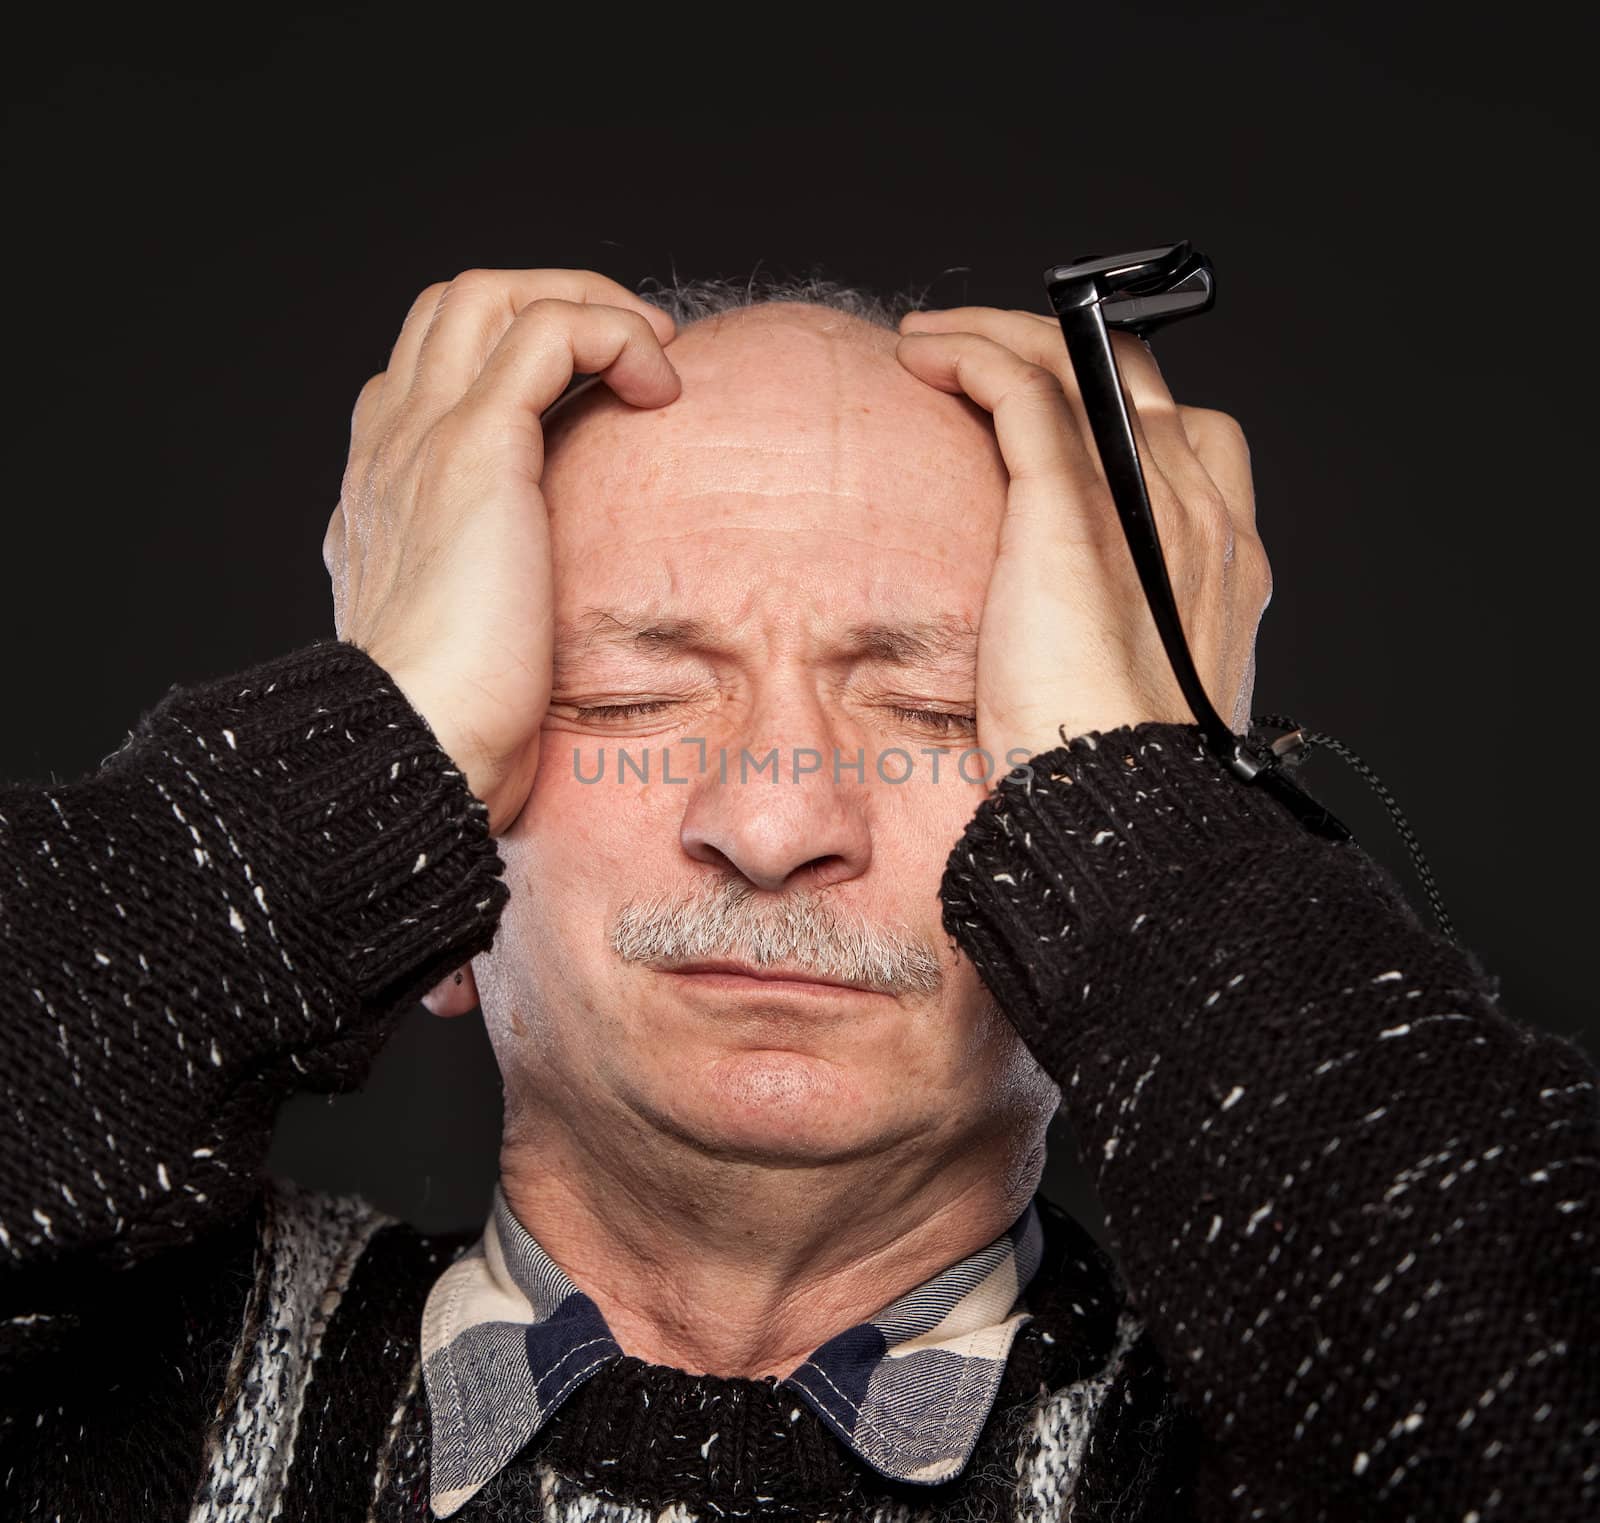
(1138,293)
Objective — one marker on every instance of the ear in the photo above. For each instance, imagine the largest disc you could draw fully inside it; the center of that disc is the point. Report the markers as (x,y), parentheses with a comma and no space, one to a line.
(455,994)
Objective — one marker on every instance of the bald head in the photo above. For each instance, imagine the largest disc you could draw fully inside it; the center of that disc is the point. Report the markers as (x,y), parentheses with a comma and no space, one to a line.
(782,401)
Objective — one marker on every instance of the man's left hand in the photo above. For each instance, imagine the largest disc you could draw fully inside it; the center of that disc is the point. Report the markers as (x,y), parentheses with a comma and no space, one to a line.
(1067,643)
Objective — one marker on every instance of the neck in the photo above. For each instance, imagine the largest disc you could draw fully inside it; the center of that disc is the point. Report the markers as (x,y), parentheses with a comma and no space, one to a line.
(732,1268)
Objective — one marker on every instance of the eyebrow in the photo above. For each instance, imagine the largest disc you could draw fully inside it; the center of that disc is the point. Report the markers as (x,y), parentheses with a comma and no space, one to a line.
(914,642)
(919,642)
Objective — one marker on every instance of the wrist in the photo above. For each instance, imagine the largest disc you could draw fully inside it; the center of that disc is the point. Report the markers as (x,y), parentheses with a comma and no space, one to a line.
(500,784)
(421,694)
(1040,730)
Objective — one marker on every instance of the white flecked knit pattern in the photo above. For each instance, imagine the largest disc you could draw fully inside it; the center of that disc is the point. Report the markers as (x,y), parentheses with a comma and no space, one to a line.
(294,884)
(1374,1164)
(564,1501)
(1050,1460)
(313,1243)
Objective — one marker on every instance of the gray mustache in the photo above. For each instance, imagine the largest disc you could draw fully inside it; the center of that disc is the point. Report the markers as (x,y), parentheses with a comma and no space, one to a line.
(800,930)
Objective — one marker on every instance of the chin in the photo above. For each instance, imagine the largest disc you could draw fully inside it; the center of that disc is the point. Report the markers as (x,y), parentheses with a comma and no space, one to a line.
(776,1106)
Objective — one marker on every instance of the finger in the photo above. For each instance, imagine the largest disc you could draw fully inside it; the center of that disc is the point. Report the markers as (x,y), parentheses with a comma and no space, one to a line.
(343,578)
(1179,439)
(1035,337)
(551,340)
(914,318)
(1220,445)
(402,365)
(1151,397)
(1157,431)
(333,541)
(1035,424)
(479,306)
(367,403)
(1039,338)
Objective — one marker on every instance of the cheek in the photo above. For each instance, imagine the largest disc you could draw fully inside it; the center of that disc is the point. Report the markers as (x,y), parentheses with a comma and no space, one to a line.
(573,854)
(590,841)
(916,825)
(919,821)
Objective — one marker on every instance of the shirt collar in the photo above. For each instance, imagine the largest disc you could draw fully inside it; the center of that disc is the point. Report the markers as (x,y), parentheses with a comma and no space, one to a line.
(507,1337)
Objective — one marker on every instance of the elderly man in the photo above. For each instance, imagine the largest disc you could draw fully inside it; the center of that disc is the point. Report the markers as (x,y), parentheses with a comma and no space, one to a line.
(771,735)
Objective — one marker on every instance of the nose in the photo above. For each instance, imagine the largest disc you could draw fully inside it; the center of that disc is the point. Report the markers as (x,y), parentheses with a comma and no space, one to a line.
(779,804)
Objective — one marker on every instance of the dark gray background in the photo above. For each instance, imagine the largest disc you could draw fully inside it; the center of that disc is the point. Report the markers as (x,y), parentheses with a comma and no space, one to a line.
(215,235)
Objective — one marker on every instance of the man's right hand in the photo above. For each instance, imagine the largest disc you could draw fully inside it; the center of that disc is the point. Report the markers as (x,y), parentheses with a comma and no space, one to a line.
(439,549)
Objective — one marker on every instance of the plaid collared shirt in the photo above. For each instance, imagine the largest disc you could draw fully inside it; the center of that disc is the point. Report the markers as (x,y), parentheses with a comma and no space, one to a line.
(506,1337)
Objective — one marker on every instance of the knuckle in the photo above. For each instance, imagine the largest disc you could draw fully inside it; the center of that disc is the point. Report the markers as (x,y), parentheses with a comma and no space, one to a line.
(448,434)
(1220,522)
(1218,425)
(546,307)
(1232,431)
(333,540)
(1213,524)
(638,326)
(356,470)
(378,463)
(542,313)
(452,444)
(1254,554)
(1038,382)
(476,288)
(1250,562)
(366,396)
(428,297)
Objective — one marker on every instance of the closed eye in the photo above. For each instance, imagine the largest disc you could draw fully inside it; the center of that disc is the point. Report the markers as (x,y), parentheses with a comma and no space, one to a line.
(934,719)
(625,710)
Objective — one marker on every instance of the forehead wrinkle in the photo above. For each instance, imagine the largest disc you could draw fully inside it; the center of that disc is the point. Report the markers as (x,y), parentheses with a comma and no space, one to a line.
(952,464)
(903,534)
(747,489)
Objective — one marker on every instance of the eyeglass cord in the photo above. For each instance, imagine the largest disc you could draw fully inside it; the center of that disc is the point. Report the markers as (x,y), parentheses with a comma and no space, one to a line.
(1302,742)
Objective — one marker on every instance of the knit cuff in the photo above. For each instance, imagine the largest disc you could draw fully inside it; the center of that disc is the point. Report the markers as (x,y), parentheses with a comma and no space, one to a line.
(371,845)
(1078,845)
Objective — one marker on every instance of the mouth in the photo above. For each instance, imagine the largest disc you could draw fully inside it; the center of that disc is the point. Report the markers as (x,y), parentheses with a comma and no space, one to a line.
(736,976)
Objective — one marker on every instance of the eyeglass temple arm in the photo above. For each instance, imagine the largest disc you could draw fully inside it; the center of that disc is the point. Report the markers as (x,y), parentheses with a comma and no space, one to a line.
(1077,306)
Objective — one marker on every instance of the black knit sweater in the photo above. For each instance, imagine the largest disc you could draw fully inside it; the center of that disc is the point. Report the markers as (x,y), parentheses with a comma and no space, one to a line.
(1349,1196)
